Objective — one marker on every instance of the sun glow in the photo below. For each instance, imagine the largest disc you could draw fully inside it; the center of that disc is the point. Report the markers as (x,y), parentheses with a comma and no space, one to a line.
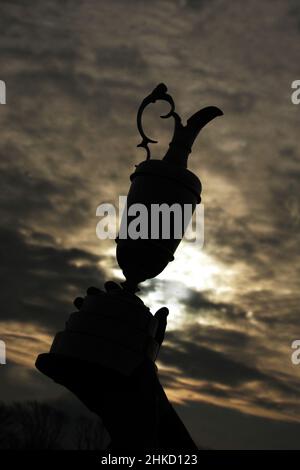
(192,269)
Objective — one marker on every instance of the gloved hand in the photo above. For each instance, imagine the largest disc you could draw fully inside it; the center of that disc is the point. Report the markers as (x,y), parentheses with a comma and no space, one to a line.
(133,407)
(128,405)
(93,301)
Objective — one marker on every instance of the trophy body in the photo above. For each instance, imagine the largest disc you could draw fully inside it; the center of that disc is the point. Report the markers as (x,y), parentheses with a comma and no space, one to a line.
(156,184)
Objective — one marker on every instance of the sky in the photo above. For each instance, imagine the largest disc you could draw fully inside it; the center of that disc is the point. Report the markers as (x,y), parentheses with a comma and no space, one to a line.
(76,72)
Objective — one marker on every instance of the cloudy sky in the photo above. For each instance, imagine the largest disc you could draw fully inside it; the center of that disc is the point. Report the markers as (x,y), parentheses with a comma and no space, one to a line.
(76,72)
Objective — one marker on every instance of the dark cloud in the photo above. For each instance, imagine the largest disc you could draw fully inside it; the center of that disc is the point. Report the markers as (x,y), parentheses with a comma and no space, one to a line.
(207,364)
(225,375)
(35,278)
(200,301)
(19,383)
(219,427)
(294,11)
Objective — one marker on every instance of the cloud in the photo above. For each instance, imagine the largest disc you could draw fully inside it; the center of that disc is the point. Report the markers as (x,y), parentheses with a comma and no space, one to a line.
(204,363)
(197,301)
(209,425)
(40,280)
(221,366)
(21,384)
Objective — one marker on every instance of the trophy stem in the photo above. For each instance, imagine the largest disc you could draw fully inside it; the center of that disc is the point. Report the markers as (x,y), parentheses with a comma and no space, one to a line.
(130,286)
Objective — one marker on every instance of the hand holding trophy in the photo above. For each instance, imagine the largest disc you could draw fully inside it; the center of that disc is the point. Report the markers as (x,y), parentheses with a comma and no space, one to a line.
(106,354)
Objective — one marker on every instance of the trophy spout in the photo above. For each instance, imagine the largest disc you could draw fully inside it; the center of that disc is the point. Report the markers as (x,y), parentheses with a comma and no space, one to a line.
(198,120)
(184,136)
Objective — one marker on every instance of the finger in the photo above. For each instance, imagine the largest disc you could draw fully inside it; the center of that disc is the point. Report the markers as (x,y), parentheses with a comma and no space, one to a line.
(111,286)
(93,291)
(161,317)
(162,313)
(78,302)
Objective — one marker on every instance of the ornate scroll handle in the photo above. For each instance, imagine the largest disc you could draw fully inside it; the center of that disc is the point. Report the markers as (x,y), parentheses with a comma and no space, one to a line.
(159,93)
(184,136)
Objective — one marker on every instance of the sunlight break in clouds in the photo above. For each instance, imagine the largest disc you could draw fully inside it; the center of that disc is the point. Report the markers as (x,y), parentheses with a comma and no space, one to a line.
(192,268)
(24,341)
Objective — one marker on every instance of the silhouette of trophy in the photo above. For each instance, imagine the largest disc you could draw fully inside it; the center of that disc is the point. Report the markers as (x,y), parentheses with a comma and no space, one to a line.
(114,329)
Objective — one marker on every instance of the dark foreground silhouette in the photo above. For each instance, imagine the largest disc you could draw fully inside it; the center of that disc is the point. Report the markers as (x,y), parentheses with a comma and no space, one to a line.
(41,426)
(133,405)
(106,354)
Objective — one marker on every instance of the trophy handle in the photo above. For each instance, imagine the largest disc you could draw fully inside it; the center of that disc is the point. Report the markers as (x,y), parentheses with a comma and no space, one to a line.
(184,136)
(159,93)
